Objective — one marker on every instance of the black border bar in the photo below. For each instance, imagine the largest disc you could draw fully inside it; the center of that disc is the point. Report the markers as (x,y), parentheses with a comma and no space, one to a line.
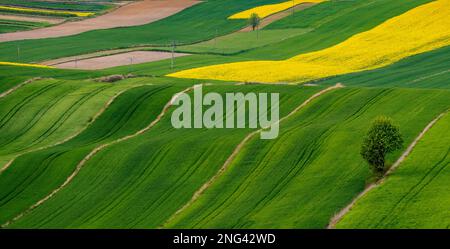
(236,238)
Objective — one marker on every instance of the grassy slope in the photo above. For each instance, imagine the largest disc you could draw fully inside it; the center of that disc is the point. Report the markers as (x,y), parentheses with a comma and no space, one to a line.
(302,178)
(328,23)
(335,25)
(140,182)
(239,42)
(11,76)
(47,111)
(427,70)
(416,195)
(388,77)
(7,26)
(334,22)
(23,185)
(197,23)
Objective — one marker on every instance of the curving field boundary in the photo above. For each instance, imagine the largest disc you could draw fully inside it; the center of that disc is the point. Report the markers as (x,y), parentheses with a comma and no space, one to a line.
(95,151)
(100,112)
(405,154)
(11,90)
(238,148)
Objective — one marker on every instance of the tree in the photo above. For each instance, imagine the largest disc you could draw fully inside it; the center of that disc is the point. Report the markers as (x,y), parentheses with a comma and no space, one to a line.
(254,20)
(382,138)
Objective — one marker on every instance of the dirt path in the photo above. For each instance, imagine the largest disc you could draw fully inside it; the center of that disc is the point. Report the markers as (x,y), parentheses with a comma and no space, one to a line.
(31,19)
(238,148)
(264,22)
(405,154)
(11,90)
(91,55)
(133,14)
(277,16)
(102,62)
(93,153)
(103,109)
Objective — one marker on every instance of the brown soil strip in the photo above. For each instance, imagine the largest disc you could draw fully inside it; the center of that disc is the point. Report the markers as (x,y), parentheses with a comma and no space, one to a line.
(115,60)
(238,148)
(405,154)
(133,14)
(103,109)
(93,153)
(279,15)
(266,21)
(31,19)
(90,55)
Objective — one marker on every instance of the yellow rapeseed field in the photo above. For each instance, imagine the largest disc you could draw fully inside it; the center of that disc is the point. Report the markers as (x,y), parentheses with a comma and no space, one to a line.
(4,63)
(419,30)
(269,9)
(46,11)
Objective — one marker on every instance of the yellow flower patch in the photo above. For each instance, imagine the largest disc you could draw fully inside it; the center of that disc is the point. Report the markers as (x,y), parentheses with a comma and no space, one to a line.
(46,11)
(269,9)
(4,63)
(419,30)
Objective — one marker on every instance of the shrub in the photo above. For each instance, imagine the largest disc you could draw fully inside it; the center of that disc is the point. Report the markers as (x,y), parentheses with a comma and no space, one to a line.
(382,138)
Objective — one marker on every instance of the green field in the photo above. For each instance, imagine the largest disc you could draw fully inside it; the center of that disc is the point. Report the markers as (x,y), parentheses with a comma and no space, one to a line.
(7,26)
(62,5)
(238,42)
(142,150)
(306,175)
(48,111)
(194,24)
(417,195)
(144,171)
(427,70)
(315,28)
(20,184)
(189,26)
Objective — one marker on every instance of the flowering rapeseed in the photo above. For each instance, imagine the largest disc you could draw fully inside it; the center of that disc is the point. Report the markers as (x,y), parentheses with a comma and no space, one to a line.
(46,11)
(4,63)
(419,30)
(269,9)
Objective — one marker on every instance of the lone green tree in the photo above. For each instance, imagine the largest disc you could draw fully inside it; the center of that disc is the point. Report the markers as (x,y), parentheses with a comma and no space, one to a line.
(254,21)
(382,138)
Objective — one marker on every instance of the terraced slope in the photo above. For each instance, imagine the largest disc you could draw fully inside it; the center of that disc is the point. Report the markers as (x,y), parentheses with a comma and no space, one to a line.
(306,175)
(23,185)
(416,195)
(139,182)
(45,112)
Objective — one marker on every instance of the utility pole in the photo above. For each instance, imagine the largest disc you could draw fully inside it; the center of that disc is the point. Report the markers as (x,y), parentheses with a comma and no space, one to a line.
(293,5)
(173,55)
(215,39)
